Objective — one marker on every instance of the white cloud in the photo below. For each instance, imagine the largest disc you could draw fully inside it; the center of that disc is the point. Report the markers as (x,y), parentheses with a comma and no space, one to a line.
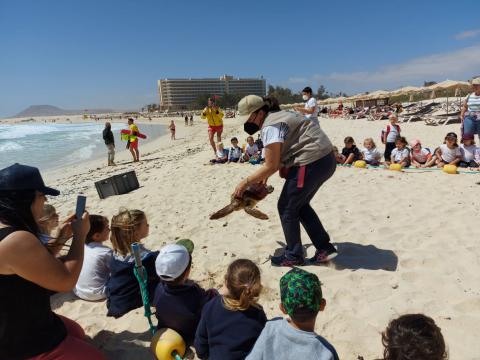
(467,34)
(297,80)
(460,64)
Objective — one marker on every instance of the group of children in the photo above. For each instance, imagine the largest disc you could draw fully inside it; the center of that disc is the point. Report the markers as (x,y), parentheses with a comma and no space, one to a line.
(228,323)
(466,154)
(251,152)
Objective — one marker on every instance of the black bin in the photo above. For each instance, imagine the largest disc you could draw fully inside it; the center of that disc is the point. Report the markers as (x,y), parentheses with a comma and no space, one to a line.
(117,184)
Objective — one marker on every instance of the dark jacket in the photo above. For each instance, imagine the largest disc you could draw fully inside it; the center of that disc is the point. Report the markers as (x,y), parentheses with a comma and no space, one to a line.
(224,334)
(108,136)
(179,307)
(123,290)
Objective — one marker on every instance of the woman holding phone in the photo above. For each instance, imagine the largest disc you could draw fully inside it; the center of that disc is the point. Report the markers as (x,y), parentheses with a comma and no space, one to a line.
(29,272)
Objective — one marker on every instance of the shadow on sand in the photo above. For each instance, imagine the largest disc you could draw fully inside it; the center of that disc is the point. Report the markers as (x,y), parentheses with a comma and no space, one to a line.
(356,256)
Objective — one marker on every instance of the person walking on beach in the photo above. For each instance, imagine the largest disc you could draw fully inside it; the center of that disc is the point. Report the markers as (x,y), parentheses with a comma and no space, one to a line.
(110,143)
(172,130)
(133,140)
(214,117)
(186,120)
(304,155)
(191,120)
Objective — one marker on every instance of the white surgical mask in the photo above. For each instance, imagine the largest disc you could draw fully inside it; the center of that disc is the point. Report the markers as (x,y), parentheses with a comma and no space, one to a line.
(305,97)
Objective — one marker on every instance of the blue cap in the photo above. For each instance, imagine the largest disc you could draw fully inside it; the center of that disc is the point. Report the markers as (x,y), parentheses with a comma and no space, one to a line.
(22,177)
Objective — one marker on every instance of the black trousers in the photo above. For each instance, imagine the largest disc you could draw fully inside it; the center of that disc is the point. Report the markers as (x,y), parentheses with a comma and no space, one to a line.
(294,206)
(389,146)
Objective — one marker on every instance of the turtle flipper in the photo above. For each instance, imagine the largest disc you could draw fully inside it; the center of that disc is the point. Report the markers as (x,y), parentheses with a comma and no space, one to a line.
(256,213)
(223,212)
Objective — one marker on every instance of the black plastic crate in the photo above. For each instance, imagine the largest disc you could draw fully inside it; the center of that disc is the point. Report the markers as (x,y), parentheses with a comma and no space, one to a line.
(117,184)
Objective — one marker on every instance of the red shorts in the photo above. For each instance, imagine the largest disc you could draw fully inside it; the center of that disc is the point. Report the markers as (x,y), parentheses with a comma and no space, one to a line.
(215,129)
(134,144)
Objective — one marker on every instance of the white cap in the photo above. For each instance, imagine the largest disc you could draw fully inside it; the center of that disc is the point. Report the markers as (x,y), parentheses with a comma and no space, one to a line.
(171,262)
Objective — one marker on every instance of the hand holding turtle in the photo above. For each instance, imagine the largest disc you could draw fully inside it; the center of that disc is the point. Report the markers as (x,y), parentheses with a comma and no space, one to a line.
(240,189)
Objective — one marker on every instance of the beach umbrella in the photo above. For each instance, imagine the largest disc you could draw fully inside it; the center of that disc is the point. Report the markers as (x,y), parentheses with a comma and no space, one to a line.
(450,84)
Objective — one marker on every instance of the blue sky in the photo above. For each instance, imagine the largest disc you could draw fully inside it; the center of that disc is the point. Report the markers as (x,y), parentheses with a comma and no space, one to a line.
(110,53)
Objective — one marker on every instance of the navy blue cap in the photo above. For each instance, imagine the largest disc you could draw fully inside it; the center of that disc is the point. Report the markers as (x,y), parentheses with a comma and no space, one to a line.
(23,177)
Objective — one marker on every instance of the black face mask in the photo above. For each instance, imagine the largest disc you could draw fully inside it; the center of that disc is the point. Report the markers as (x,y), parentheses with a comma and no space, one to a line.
(250,128)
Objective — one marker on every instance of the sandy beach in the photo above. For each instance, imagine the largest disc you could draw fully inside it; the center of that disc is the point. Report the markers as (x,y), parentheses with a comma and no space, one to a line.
(408,241)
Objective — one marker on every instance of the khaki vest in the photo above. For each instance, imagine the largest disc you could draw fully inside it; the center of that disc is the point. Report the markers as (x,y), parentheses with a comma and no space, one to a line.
(305,141)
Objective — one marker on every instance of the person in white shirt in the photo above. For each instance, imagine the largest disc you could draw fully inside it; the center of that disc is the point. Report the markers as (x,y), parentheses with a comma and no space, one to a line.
(310,110)
(91,284)
(421,157)
(251,150)
(401,154)
(235,153)
(470,114)
(370,153)
(470,152)
(449,153)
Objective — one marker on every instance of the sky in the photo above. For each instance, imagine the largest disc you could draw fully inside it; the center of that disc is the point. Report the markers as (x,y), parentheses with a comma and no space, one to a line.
(110,53)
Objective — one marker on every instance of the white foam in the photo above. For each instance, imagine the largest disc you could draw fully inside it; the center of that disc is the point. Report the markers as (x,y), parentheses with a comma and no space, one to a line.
(10,146)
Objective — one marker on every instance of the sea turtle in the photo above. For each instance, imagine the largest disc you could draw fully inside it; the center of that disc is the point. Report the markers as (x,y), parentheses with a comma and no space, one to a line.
(253,193)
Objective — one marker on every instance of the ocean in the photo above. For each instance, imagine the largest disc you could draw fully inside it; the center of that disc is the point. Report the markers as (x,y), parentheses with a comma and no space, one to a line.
(50,146)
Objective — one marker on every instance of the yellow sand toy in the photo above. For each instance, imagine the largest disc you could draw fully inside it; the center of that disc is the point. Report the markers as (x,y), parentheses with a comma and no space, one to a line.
(360,164)
(395,167)
(167,344)
(450,169)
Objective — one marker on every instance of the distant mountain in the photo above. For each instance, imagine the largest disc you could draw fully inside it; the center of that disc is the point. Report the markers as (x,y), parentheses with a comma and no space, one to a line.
(49,110)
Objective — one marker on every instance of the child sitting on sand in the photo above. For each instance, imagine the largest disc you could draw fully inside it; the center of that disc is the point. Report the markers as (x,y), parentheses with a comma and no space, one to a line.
(339,158)
(470,152)
(231,323)
(235,153)
(178,300)
(350,151)
(172,130)
(401,154)
(420,156)
(413,336)
(252,152)
(295,338)
(449,152)
(222,155)
(123,291)
(47,223)
(91,284)
(370,153)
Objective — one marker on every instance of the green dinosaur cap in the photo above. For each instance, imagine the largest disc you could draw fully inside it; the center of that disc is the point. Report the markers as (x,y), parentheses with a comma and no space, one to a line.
(188,244)
(300,289)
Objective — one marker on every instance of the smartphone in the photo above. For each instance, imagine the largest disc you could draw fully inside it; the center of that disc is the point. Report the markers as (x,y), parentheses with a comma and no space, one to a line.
(81,202)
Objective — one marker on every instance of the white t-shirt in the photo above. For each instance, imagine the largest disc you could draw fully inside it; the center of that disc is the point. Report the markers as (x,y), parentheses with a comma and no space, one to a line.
(95,272)
(397,155)
(448,155)
(421,156)
(311,103)
(371,155)
(251,150)
(235,153)
(469,153)
(393,134)
(473,102)
(274,134)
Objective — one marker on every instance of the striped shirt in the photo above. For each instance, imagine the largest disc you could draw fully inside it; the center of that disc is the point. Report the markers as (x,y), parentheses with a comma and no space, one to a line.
(473,102)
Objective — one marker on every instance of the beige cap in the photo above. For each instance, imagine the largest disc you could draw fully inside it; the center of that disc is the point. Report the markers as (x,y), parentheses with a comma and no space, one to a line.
(476,81)
(248,105)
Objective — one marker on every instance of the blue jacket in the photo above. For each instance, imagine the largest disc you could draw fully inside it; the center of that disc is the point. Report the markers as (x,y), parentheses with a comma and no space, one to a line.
(224,334)
(123,290)
(179,307)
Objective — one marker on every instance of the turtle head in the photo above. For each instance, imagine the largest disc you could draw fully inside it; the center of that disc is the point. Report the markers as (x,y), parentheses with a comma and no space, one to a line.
(269,189)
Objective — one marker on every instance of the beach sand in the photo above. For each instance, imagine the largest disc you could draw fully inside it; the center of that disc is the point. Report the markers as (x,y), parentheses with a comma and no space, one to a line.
(408,242)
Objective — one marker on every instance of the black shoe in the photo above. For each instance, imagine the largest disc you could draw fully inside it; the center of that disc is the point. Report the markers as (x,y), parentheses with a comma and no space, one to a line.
(283,261)
(324,255)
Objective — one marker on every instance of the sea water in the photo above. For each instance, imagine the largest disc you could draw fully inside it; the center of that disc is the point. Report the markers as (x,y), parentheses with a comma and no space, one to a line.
(50,145)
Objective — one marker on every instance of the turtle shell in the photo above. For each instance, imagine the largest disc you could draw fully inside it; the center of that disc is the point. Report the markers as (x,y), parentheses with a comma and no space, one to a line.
(256,191)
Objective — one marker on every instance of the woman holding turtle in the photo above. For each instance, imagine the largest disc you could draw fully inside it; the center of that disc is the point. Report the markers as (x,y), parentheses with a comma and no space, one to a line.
(304,155)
